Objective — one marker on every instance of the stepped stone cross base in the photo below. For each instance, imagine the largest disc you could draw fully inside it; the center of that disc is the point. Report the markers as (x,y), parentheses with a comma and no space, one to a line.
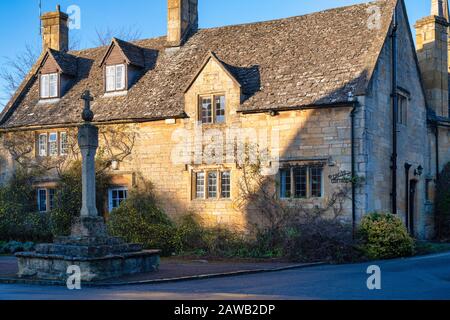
(98,255)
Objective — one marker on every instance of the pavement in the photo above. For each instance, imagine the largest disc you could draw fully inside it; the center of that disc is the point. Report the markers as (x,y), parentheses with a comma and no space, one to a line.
(171,269)
(418,278)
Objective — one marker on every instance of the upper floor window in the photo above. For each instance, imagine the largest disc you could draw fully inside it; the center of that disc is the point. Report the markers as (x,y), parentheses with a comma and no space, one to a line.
(213,184)
(42,145)
(49,86)
(115,77)
(212,109)
(301,182)
(52,144)
(64,143)
(402,111)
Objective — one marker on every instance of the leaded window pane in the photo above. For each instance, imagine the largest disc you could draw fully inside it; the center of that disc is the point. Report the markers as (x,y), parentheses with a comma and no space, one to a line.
(300,179)
(206,106)
(200,185)
(212,185)
(42,200)
(226,184)
(316,182)
(285,183)
(53,144)
(43,145)
(220,109)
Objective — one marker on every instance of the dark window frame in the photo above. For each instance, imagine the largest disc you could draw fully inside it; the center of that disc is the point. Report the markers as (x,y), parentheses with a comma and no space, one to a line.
(214,108)
(287,183)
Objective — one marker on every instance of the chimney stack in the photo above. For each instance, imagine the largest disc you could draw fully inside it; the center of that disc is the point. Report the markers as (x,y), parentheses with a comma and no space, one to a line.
(432,52)
(437,8)
(55,32)
(182,21)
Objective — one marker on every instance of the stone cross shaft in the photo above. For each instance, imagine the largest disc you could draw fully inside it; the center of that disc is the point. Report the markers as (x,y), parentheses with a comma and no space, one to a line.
(88,143)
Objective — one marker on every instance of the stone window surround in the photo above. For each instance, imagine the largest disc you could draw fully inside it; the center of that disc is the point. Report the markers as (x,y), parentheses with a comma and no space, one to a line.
(59,144)
(219,194)
(212,96)
(291,167)
(58,86)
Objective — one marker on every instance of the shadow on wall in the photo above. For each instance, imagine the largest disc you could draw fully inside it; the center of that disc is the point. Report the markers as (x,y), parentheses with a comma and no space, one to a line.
(322,138)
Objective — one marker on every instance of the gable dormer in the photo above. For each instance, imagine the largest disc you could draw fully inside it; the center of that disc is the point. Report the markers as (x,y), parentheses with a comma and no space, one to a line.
(56,73)
(122,64)
(214,92)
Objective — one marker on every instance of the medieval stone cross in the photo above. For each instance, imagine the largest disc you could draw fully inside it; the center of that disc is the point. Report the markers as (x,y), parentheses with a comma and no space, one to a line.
(88,143)
(87,114)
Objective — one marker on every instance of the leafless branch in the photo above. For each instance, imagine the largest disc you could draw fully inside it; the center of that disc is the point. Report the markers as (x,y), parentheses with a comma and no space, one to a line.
(105,36)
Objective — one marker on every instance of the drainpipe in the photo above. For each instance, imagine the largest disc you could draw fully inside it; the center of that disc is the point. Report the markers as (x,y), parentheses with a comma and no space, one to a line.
(352,115)
(438,217)
(394,112)
(407,168)
(437,151)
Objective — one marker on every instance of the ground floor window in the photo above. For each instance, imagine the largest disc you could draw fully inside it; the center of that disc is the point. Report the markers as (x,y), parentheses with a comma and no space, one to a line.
(212,184)
(301,182)
(116,196)
(45,199)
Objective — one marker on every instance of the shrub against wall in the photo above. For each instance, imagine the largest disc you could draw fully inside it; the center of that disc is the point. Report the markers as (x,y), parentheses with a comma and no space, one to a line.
(18,217)
(321,239)
(443,205)
(68,197)
(384,236)
(140,220)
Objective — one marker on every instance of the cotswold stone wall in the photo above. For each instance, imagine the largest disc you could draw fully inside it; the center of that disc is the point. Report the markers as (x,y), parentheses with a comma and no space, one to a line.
(413,139)
(168,153)
(304,137)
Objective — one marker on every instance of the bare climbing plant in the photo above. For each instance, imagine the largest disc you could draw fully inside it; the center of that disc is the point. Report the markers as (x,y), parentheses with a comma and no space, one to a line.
(116,144)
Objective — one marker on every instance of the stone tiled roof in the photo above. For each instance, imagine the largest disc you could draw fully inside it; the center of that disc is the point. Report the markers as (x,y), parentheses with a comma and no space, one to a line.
(320,58)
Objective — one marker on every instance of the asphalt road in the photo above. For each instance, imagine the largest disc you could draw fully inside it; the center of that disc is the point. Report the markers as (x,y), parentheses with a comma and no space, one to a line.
(414,278)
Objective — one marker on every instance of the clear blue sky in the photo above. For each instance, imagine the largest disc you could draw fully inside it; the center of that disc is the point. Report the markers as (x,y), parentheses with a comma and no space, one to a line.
(19,19)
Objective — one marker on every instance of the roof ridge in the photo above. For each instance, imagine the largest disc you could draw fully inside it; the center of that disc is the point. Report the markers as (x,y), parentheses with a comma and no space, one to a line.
(134,42)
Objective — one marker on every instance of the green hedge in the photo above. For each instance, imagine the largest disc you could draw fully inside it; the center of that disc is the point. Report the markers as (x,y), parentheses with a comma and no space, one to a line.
(68,197)
(140,220)
(18,219)
(384,236)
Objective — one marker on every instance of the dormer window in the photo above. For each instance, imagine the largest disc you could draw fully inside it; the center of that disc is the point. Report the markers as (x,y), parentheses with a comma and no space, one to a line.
(212,109)
(49,86)
(123,63)
(56,74)
(115,78)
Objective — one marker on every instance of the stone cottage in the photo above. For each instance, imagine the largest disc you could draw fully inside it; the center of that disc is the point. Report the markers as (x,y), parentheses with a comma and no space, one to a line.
(338,97)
